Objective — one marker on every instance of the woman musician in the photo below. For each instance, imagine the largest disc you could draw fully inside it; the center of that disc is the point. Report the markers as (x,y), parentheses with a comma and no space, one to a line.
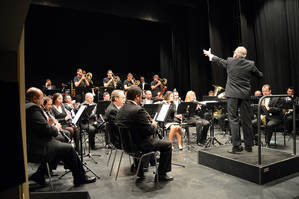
(202,125)
(64,135)
(173,120)
(64,117)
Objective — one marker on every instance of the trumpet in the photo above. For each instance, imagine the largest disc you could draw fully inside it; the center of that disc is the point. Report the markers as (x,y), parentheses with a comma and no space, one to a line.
(116,78)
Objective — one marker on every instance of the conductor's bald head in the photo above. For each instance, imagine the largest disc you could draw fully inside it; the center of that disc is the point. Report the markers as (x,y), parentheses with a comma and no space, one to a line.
(240,52)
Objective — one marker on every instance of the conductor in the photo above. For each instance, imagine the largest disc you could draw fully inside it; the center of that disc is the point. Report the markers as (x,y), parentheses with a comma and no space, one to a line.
(239,72)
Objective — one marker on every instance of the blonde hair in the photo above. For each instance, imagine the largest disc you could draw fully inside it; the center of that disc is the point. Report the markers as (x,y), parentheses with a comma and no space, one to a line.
(188,96)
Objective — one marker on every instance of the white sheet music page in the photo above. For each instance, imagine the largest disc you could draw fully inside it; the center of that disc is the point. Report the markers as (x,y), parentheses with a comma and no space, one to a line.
(163,112)
(79,113)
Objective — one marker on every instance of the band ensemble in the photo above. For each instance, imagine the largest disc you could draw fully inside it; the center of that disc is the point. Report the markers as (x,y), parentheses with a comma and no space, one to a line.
(52,134)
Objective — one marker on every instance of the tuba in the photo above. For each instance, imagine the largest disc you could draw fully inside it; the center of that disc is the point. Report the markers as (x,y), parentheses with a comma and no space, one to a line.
(217,89)
(88,76)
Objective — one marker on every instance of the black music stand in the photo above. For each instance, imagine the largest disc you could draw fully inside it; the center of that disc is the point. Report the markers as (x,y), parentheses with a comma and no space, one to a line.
(152,109)
(77,119)
(186,109)
(100,112)
(212,139)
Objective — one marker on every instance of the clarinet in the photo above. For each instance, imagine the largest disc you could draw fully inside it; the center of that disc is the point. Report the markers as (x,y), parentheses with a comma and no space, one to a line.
(55,123)
(158,129)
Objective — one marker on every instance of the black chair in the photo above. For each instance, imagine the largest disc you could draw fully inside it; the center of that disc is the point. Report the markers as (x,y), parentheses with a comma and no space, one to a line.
(41,160)
(131,149)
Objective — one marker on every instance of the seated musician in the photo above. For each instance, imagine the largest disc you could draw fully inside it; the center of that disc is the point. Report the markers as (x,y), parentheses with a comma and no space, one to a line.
(81,85)
(63,135)
(41,142)
(109,81)
(156,86)
(118,99)
(70,105)
(257,93)
(273,116)
(48,85)
(64,117)
(173,120)
(148,98)
(211,93)
(176,99)
(129,81)
(132,115)
(89,123)
(106,96)
(288,111)
(202,125)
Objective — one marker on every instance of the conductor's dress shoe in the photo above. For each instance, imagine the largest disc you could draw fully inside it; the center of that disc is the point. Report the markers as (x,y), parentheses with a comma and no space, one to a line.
(236,149)
(163,177)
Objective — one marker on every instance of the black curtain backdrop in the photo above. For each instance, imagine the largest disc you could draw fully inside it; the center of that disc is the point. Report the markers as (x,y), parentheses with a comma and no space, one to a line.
(163,38)
(274,36)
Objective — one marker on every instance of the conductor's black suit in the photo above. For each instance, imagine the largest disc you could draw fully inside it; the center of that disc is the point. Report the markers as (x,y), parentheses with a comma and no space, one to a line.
(237,90)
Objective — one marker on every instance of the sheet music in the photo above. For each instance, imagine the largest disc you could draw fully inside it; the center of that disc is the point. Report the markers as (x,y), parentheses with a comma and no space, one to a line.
(163,112)
(79,113)
(206,102)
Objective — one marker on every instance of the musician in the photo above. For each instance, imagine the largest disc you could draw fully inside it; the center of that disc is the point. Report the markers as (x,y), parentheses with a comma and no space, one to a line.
(156,86)
(176,99)
(257,93)
(118,99)
(211,93)
(288,112)
(63,134)
(239,72)
(106,96)
(41,142)
(88,123)
(64,117)
(109,81)
(148,98)
(202,125)
(48,85)
(129,81)
(173,120)
(70,105)
(81,85)
(132,115)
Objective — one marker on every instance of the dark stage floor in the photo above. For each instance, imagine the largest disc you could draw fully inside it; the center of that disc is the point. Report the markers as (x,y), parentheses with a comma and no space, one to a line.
(193,181)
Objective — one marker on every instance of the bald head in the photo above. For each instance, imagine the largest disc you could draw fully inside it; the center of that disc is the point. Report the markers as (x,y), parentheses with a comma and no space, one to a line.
(34,95)
(240,52)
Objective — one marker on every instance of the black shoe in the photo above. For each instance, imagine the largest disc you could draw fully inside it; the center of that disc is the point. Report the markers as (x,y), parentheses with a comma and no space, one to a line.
(141,175)
(93,147)
(236,149)
(145,169)
(248,148)
(164,177)
(84,180)
(38,178)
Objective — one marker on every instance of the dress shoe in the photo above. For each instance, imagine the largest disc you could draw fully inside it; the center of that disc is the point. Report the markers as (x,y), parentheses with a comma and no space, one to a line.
(248,148)
(236,149)
(141,175)
(38,178)
(83,180)
(164,177)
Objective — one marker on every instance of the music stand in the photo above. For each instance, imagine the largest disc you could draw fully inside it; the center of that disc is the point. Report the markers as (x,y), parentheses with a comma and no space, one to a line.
(75,120)
(152,109)
(101,108)
(210,140)
(83,114)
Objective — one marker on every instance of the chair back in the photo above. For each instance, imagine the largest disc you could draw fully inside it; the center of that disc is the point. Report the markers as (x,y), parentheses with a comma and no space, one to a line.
(127,141)
(113,132)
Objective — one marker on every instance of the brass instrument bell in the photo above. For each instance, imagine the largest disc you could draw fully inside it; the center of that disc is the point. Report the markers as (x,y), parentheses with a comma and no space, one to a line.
(217,89)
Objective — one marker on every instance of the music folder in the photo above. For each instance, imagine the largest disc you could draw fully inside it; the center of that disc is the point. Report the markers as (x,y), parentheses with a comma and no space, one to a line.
(102,106)
(78,115)
(152,109)
(163,113)
(186,107)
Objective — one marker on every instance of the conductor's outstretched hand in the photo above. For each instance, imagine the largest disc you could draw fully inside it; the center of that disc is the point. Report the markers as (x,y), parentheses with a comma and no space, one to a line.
(207,52)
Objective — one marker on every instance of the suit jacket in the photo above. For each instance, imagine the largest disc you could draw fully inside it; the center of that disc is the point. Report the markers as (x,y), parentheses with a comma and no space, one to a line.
(40,134)
(239,72)
(276,108)
(134,117)
(111,128)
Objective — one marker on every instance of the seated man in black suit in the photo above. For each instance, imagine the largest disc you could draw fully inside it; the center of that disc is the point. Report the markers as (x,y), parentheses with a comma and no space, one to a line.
(133,116)
(118,99)
(41,142)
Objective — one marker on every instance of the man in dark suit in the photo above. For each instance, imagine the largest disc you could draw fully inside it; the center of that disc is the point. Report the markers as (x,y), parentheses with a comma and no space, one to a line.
(42,144)
(118,98)
(239,72)
(134,117)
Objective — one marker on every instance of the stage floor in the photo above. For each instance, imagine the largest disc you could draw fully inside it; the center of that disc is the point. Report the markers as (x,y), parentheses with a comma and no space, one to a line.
(193,181)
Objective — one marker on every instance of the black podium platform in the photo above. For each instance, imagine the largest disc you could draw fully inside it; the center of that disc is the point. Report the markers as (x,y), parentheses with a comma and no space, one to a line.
(275,163)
